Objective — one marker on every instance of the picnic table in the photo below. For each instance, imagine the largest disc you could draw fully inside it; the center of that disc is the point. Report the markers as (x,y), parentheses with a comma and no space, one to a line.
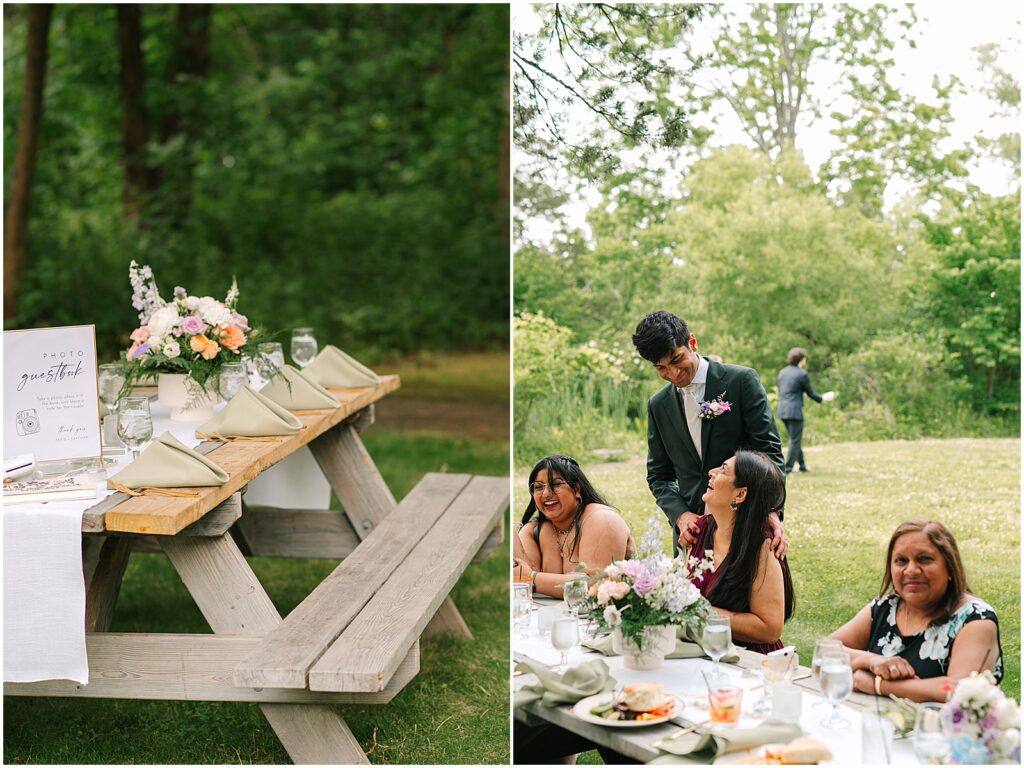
(354,639)
(683,678)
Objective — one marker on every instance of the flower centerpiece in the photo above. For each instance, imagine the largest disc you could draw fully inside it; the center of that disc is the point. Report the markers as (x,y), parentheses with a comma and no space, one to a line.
(630,597)
(982,723)
(190,335)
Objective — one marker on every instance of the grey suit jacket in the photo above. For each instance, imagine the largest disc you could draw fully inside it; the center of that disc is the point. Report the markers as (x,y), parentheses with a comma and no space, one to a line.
(793,383)
(675,474)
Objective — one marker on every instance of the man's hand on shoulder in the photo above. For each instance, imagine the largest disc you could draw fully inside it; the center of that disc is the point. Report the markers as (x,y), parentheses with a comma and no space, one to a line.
(688,529)
(779,541)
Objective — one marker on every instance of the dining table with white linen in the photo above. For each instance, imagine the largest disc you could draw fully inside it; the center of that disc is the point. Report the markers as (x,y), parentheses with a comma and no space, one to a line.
(684,678)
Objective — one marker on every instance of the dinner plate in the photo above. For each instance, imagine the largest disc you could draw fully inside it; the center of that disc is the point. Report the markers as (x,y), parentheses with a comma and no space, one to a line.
(583,707)
(748,756)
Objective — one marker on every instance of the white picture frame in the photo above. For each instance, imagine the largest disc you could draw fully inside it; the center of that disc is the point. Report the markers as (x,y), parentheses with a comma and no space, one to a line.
(51,397)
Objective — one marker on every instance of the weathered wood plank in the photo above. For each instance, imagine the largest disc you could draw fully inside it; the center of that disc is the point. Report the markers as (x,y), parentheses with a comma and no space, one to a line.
(492,542)
(314,734)
(243,461)
(282,661)
(354,478)
(447,620)
(273,532)
(105,585)
(172,667)
(372,646)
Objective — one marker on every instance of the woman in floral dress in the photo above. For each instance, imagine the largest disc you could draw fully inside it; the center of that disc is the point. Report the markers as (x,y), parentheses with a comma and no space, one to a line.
(925,629)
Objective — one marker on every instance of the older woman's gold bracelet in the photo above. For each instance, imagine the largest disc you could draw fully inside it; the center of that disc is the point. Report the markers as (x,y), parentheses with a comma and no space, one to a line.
(878,685)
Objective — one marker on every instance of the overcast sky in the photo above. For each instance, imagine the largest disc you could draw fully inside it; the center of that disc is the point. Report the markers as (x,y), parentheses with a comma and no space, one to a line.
(947,33)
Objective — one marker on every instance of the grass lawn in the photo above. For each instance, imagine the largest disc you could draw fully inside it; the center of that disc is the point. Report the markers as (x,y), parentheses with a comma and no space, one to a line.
(454,711)
(476,377)
(839,518)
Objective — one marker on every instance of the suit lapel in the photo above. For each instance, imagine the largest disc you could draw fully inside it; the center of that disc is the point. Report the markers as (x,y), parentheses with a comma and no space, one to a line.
(712,388)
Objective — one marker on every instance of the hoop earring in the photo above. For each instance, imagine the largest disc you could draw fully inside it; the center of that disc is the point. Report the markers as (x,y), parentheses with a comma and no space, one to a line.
(579,501)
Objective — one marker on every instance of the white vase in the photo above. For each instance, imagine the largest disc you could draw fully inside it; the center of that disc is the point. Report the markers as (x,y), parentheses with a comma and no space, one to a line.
(184,397)
(658,641)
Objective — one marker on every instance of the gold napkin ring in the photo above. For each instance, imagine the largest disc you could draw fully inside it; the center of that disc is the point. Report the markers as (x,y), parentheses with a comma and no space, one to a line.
(150,490)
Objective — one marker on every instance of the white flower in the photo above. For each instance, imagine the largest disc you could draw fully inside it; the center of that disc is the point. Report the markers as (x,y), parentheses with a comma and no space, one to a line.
(213,312)
(162,321)
(613,616)
(155,342)
(1007,714)
(172,349)
(613,571)
(1004,742)
(192,303)
(975,692)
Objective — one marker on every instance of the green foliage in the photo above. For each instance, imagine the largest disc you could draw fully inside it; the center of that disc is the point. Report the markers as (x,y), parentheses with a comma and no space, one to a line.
(344,162)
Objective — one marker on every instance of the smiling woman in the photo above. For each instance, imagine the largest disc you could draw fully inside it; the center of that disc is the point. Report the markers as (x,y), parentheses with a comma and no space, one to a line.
(566,524)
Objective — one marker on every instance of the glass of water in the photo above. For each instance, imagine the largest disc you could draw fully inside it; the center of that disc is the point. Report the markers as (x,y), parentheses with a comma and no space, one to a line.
(930,742)
(110,381)
(304,346)
(717,637)
(574,590)
(837,684)
(565,633)
(232,378)
(134,424)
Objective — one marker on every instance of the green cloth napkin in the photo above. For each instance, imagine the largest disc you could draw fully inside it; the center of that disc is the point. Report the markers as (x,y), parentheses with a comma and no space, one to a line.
(334,368)
(707,747)
(686,648)
(555,688)
(297,393)
(250,414)
(167,463)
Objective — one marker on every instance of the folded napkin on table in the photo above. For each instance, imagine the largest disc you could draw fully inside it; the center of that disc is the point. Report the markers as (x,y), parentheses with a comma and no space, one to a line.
(250,414)
(167,463)
(686,648)
(297,393)
(334,368)
(707,747)
(554,688)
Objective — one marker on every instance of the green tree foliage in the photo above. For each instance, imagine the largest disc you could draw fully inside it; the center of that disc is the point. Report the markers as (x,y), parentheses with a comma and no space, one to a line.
(1003,87)
(345,168)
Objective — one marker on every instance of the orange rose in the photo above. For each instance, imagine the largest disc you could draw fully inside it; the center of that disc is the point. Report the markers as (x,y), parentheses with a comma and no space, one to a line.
(204,346)
(231,336)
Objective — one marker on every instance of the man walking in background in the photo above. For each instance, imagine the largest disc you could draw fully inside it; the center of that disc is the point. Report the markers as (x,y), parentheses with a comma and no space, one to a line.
(706,412)
(793,383)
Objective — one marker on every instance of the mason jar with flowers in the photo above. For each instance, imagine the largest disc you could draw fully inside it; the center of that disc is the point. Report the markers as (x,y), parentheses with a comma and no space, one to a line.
(642,601)
(981,723)
(184,342)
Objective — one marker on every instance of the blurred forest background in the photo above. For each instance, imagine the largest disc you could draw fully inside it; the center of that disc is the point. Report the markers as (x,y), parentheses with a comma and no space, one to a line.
(685,133)
(349,163)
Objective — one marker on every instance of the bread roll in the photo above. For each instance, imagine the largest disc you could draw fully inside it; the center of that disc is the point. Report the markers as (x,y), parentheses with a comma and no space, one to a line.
(804,751)
(643,697)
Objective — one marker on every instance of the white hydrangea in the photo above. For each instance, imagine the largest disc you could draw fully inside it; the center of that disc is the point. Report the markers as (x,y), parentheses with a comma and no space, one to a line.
(162,321)
(1004,741)
(1007,714)
(172,349)
(155,342)
(975,692)
(192,303)
(213,312)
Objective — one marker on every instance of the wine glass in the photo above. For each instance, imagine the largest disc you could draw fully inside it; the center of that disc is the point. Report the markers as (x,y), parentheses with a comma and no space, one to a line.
(110,381)
(821,647)
(836,683)
(930,743)
(520,615)
(565,633)
(232,378)
(304,346)
(717,637)
(134,423)
(575,590)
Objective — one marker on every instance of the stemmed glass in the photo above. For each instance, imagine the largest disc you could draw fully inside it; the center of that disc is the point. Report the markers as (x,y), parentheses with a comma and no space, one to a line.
(110,382)
(836,683)
(232,378)
(774,669)
(304,346)
(522,607)
(565,633)
(575,590)
(930,743)
(134,423)
(821,647)
(717,637)
(268,361)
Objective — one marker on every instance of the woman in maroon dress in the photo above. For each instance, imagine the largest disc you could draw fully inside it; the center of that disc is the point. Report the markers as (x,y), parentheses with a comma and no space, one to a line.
(748,582)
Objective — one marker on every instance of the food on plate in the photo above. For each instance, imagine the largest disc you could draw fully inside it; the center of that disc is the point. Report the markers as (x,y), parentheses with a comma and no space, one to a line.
(642,701)
(801,751)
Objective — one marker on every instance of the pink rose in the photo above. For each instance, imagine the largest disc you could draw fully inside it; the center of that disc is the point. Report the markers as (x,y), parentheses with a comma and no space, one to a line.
(241,321)
(140,334)
(193,325)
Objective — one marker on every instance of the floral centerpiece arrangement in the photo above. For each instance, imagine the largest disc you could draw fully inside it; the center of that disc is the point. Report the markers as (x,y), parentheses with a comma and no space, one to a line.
(982,723)
(188,335)
(652,590)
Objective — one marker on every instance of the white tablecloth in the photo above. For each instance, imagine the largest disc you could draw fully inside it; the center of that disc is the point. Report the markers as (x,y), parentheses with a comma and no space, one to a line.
(44,587)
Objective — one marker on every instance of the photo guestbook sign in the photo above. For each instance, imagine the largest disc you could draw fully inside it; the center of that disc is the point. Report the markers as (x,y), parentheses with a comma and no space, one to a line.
(51,405)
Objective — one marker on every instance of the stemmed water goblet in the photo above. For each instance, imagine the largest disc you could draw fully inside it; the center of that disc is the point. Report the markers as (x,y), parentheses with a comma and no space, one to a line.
(821,647)
(232,378)
(930,742)
(565,633)
(134,423)
(837,684)
(717,637)
(522,607)
(303,347)
(110,381)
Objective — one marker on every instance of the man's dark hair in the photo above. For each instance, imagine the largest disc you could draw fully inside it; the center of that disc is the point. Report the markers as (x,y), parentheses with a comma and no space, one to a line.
(659,334)
(796,354)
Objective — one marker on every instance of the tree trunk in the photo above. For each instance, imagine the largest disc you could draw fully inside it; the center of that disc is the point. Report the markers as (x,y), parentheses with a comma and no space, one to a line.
(16,234)
(134,121)
(186,70)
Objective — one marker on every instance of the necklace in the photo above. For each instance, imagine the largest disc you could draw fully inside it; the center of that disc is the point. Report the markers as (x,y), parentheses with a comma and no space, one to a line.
(561,536)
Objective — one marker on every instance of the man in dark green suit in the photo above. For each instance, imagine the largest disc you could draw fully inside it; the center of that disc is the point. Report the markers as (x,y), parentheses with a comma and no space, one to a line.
(705,413)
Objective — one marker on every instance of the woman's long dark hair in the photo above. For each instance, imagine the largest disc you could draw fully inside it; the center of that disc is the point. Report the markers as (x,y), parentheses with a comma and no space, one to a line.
(569,470)
(942,539)
(766,492)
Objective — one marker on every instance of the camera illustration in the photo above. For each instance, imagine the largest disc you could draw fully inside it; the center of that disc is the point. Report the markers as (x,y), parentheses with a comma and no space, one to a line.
(27,422)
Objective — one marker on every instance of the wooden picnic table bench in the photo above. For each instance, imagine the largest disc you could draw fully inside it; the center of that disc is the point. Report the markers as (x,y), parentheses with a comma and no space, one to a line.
(354,639)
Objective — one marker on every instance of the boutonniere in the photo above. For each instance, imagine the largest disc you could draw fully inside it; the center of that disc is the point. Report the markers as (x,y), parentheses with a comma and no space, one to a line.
(712,409)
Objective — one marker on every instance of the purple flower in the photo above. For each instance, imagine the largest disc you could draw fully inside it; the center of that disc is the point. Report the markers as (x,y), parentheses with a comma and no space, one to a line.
(958,715)
(179,292)
(631,568)
(139,351)
(193,325)
(644,585)
(987,722)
